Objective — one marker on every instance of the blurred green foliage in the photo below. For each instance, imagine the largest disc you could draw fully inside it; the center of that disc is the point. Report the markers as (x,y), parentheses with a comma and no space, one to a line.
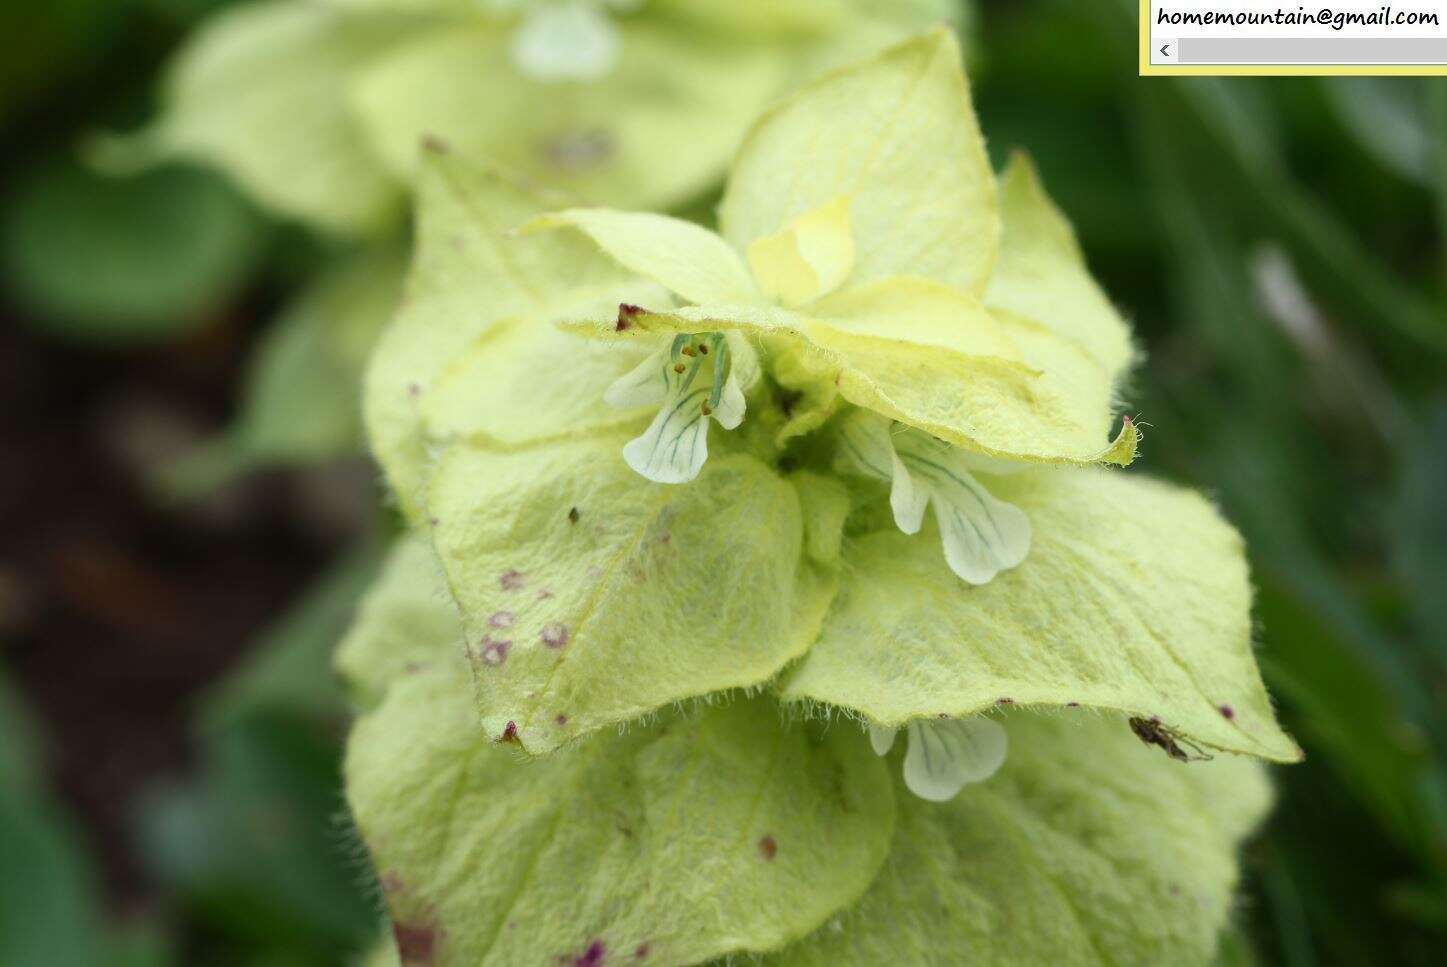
(160,251)
(1278,243)
(51,910)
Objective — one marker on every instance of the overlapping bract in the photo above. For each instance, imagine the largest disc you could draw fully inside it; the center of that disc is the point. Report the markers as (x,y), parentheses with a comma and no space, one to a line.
(589,598)
(317,107)
(732,830)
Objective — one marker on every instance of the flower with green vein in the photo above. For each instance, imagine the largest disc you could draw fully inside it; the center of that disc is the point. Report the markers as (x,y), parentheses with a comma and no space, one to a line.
(690,379)
(982,536)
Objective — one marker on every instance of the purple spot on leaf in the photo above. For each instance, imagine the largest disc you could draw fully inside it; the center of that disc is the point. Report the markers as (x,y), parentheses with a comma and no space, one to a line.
(554,635)
(500,619)
(494,652)
(510,734)
(511,580)
(592,957)
(641,952)
(1227,712)
(544,594)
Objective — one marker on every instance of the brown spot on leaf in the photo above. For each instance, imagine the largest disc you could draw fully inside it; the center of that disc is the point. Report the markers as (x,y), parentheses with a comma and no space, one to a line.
(626,313)
(436,145)
(1004,701)
(554,635)
(573,515)
(416,942)
(561,719)
(768,847)
(641,952)
(578,151)
(511,580)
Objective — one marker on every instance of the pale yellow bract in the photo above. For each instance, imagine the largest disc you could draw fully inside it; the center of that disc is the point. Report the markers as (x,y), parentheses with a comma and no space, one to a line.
(727,832)
(861,230)
(662,758)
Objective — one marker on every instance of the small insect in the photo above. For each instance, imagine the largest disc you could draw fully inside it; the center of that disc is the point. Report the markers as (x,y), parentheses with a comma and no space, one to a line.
(1152,732)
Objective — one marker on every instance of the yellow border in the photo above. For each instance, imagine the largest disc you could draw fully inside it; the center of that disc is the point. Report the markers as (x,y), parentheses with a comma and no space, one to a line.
(1147,69)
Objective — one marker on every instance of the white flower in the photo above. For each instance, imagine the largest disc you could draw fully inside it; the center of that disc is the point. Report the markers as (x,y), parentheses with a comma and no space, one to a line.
(691,378)
(566,40)
(982,536)
(945,755)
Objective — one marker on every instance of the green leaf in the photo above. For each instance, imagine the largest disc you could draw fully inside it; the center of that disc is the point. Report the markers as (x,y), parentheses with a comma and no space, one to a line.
(262,93)
(1134,598)
(1086,848)
(682,256)
(1387,116)
(692,838)
(470,272)
(1042,276)
(405,619)
(50,897)
(115,260)
(254,844)
(591,597)
(897,136)
(525,382)
(655,131)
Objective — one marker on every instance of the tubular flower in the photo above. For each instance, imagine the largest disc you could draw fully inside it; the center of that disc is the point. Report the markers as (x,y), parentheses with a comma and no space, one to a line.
(945,756)
(665,624)
(982,536)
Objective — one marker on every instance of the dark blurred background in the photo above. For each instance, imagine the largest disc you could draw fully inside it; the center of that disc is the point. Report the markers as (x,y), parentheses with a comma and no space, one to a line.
(169,730)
